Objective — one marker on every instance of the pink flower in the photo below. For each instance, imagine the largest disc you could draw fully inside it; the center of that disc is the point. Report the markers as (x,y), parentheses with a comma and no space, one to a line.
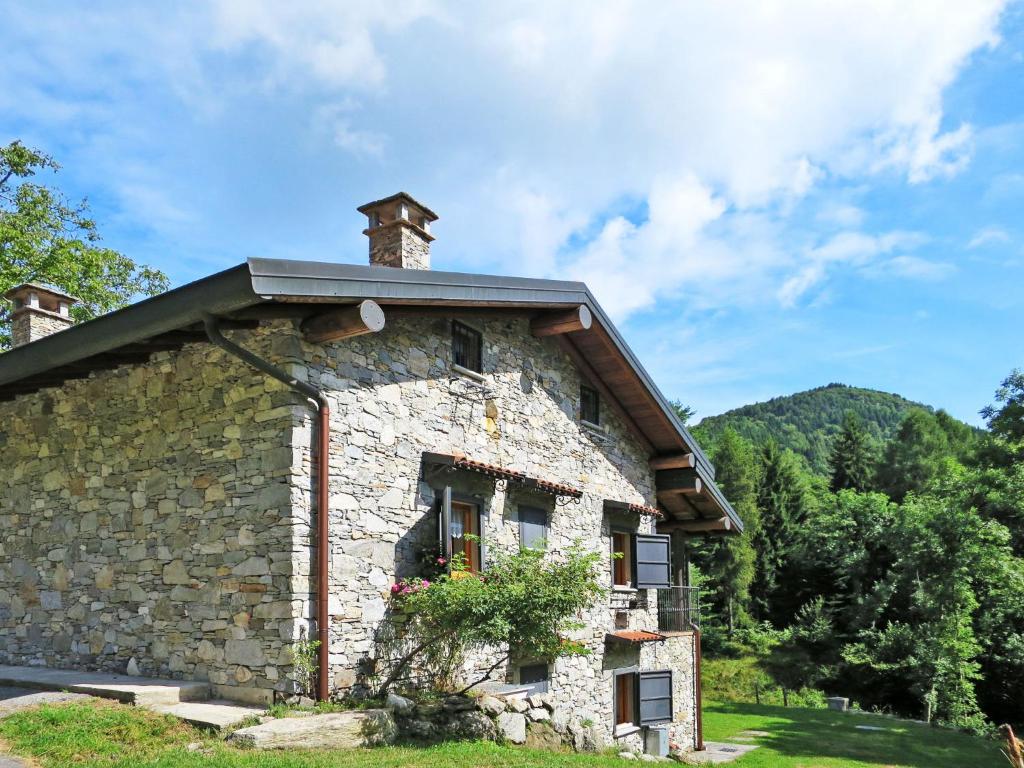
(441,561)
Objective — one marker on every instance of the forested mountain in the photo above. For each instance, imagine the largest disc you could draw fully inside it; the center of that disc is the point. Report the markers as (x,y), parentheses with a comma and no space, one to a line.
(808,422)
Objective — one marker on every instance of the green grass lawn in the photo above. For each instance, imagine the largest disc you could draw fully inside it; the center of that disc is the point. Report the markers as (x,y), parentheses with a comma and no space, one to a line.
(818,738)
(118,736)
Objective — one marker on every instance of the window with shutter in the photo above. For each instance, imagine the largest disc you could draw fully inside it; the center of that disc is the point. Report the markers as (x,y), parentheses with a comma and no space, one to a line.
(456,518)
(655,697)
(533,527)
(653,561)
(625,695)
(622,559)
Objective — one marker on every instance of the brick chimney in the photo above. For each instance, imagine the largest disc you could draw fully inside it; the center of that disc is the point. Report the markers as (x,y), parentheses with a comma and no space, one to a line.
(399,232)
(38,311)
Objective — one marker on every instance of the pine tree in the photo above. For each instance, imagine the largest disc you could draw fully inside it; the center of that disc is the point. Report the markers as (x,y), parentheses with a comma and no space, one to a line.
(782,504)
(728,562)
(850,463)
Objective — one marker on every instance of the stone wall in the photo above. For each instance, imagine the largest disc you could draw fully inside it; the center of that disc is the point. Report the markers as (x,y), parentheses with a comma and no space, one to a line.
(147,526)
(395,396)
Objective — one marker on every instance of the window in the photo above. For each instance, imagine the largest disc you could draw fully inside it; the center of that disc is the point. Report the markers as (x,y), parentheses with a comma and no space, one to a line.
(590,405)
(465,519)
(642,698)
(622,562)
(645,560)
(467,347)
(536,676)
(625,699)
(533,527)
(457,518)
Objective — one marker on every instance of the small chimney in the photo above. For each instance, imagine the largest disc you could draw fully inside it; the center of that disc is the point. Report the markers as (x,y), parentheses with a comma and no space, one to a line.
(38,311)
(399,232)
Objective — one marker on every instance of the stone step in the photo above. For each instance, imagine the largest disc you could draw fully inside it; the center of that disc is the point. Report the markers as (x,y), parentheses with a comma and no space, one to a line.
(144,691)
(215,714)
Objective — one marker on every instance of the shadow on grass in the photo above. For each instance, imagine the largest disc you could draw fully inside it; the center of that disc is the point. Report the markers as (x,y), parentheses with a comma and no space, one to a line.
(820,733)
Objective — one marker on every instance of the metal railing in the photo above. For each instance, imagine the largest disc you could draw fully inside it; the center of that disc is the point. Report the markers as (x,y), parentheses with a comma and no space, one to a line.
(678,609)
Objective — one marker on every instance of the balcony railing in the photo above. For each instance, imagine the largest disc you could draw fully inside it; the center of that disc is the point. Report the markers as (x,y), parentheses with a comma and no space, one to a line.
(678,609)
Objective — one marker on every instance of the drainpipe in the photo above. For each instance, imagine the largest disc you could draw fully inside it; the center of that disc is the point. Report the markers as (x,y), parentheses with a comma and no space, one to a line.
(699,724)
(319,401)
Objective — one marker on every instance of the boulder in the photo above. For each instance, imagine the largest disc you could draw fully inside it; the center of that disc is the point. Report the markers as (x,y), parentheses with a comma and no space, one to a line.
(419,729)
(492,705)
(518,705)
(512,727)
(472,725)
(538,715)
(535,700)
(459,704)
(560,720)
(399,704)
(336,730)
(541,736)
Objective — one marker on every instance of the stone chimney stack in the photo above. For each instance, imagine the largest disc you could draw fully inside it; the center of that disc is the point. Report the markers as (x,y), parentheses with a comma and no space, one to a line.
(399,232)
(38,312)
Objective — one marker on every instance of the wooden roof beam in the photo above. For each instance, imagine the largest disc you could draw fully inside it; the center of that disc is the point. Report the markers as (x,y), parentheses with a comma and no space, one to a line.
(674,461)
(344,323)
(696,526)
(556,323)
(678,481)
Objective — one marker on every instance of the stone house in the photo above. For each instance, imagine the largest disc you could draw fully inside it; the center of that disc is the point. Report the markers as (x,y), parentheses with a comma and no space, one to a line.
(191,484)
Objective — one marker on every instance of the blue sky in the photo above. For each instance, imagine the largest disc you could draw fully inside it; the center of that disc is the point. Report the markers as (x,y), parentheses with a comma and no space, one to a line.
(767,196)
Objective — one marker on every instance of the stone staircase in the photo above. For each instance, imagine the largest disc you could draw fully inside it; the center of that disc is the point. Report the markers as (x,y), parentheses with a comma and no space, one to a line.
(185,699)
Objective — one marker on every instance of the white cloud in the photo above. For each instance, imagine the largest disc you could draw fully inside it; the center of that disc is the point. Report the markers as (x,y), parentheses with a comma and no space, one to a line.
(860,251)
(988,236)
(646,147)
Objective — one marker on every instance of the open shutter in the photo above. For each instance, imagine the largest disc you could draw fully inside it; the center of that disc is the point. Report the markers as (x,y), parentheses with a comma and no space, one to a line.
(533,527)
(444,523)
(655,697)
(653,561)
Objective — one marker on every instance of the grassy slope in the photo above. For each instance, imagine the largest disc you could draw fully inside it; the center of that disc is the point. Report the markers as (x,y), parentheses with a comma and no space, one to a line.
(817,738)
(115,736)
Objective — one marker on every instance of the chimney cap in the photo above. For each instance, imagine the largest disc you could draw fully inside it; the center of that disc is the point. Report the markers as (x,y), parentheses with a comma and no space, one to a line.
(20,290)
(403,196)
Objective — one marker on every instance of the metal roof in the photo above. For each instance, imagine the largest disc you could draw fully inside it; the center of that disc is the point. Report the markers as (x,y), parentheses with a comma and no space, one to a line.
(260,285)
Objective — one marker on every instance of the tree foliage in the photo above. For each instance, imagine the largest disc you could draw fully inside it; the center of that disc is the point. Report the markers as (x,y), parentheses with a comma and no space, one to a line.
(851,462)
(44,238)
(904,590)
(525,603)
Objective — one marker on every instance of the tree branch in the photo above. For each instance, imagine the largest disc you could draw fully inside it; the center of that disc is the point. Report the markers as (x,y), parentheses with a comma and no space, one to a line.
(486,676)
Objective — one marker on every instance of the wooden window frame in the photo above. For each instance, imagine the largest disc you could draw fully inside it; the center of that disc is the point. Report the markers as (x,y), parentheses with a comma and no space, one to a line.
(463,334)
(626,563)
(448,498)
(630,675)
(595,397)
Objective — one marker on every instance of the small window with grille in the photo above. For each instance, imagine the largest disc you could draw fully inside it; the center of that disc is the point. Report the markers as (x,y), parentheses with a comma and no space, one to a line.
(467,347)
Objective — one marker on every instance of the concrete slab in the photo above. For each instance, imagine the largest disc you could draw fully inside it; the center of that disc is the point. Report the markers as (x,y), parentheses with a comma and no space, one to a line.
(143,691)
(216,715)
(16,699)
(718,752)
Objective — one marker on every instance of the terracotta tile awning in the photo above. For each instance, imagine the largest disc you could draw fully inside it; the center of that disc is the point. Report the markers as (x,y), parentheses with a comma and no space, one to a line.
(634,636)
(636,509)
(459,461)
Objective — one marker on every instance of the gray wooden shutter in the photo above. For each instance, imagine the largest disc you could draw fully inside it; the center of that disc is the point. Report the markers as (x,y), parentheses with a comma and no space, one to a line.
(655,697)
(533,527)
(653,561)
(444,523)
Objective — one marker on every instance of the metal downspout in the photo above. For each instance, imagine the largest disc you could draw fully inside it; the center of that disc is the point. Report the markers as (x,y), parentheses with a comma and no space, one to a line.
(320,403)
